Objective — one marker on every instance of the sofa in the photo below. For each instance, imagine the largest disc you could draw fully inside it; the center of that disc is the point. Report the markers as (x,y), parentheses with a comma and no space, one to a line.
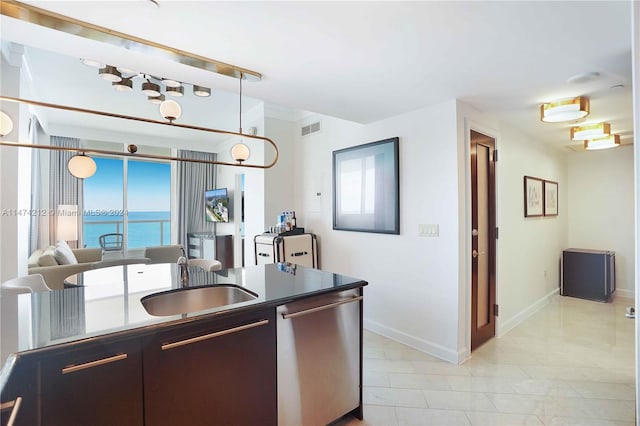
(55,263)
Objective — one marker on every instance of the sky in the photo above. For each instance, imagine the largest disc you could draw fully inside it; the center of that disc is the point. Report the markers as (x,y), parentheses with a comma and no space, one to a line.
(149,186)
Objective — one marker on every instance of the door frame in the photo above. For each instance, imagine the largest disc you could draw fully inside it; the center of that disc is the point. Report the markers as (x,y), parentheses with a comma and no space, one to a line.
(465,250)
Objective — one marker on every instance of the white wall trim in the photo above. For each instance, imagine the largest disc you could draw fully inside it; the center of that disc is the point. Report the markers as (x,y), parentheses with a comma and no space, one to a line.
(504,327)
(422,345)
(627,294)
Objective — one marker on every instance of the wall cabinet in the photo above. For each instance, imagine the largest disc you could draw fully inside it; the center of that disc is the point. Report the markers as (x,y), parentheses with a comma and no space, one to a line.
(100,384)
(214,372)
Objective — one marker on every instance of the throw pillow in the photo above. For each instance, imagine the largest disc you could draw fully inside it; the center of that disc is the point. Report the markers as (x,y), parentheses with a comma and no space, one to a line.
(34,259)
(48,258)
(64,255)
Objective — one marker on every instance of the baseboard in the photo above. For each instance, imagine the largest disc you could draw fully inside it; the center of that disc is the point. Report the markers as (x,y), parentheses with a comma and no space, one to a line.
(508,325)
(627,294)
(422,345)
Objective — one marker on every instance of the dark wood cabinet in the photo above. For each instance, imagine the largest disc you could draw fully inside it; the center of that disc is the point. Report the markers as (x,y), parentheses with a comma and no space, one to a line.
(97,384)
(221,371)
(18,401)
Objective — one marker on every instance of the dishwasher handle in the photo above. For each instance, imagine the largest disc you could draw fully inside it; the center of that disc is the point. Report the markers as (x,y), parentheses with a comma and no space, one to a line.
(286,315)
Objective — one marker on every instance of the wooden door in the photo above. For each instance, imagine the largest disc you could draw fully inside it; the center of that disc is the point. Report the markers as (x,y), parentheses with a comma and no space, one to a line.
(483,282)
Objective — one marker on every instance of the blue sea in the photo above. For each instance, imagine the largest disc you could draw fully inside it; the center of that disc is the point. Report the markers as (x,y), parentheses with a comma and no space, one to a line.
(154,231)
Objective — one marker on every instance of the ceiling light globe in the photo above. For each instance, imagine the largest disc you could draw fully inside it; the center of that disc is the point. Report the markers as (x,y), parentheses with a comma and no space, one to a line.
(81,166)
(170,110)
(240,152)
(110,73)
(6,124)
(151,89)
(175,91)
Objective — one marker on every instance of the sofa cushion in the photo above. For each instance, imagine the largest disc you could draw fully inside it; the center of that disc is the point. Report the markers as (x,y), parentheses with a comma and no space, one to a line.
(47,258)
(64,255)
(34,258)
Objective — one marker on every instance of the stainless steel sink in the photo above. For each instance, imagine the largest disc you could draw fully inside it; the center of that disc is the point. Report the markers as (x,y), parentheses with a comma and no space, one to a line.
(186,300)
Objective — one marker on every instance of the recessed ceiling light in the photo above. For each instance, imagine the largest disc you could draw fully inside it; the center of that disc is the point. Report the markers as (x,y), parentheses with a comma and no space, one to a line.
(92,63)
(617,86)
(583,77)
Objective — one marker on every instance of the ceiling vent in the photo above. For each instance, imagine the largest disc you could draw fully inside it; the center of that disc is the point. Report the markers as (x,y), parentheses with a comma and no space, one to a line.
(310,129)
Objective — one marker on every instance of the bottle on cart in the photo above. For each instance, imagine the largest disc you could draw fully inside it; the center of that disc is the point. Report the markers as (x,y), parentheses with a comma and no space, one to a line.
(293,219)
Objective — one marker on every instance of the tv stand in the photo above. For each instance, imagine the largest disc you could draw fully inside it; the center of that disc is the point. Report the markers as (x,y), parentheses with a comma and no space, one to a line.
(207,245)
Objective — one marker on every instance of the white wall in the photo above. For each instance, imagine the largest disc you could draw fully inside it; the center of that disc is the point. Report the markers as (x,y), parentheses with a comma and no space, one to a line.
(413,281)
(529,249)
(601,208)
(280,184)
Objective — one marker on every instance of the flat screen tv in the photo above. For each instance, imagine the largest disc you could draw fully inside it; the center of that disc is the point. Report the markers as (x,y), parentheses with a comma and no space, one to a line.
(216,203)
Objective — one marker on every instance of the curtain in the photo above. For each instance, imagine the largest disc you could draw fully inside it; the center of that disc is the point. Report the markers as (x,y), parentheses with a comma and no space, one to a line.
(193,179)
(64,188)
(35,132)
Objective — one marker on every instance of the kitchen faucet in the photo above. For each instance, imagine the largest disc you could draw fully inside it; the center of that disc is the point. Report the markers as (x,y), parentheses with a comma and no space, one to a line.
(183,269)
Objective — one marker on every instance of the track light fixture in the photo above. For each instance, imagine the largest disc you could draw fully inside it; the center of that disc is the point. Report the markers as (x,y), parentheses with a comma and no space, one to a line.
(122,80)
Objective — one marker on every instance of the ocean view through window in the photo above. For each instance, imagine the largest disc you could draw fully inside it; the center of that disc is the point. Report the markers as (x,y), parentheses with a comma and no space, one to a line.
(144,217)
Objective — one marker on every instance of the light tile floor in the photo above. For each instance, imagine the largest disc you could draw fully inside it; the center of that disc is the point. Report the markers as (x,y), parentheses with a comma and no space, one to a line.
(572,363)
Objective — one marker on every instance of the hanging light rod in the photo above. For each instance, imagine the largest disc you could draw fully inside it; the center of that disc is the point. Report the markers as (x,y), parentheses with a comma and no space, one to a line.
(140,119)
(55,21)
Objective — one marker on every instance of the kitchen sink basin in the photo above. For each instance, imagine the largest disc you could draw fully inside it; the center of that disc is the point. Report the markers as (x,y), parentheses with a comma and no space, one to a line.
(192,299)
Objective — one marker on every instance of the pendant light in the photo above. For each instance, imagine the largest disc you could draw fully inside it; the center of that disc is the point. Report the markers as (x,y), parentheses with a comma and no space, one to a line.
(175,91)
(201,91)
(564,110)
(151,89)
(6,124)
(110,73)
(240,152)
(81,166)
(170,110)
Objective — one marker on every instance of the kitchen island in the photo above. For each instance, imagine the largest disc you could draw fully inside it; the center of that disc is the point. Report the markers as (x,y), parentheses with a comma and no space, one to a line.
(93,355)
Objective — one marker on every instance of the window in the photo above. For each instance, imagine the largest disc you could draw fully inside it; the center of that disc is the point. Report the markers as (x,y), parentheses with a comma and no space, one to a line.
(131,197)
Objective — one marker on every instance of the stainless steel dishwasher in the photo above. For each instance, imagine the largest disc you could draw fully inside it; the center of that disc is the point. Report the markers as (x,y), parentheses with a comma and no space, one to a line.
(319,371)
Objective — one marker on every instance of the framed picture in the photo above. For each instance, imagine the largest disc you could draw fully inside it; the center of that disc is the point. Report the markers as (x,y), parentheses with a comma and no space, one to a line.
(533,196)
(366,188)
(550,198)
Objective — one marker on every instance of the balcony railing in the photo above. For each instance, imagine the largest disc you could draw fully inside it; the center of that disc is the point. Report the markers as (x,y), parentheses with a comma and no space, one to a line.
(140,232)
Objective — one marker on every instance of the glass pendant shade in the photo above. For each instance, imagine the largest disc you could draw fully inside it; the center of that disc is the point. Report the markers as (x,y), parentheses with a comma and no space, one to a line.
(81,166)
(170,110)
(591,131)
(6,124)
(610,141)
(240,152)
(151,89)
(564,110)
(110,73)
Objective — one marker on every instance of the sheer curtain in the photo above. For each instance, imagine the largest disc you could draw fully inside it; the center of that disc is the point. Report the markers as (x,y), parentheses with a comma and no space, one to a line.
(193,179)
(64,188)
(37,193)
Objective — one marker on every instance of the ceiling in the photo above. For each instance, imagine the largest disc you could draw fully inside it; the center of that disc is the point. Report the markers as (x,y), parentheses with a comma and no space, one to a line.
(366,61)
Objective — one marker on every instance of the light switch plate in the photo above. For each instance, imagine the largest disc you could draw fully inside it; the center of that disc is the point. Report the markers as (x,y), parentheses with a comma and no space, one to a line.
(428,230)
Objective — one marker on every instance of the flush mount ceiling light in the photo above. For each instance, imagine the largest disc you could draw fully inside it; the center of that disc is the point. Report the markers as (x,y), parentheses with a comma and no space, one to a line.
(564,110)
(201,91)
(124,85)
(611,141)
(110,73)
(175,91)
(170,110)
(6,124)
(81,166)
(151,89)
(590,131)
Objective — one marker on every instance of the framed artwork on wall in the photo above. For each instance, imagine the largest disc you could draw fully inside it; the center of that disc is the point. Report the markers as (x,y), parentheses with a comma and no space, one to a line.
(550,198)
(366,188)
(533,196)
